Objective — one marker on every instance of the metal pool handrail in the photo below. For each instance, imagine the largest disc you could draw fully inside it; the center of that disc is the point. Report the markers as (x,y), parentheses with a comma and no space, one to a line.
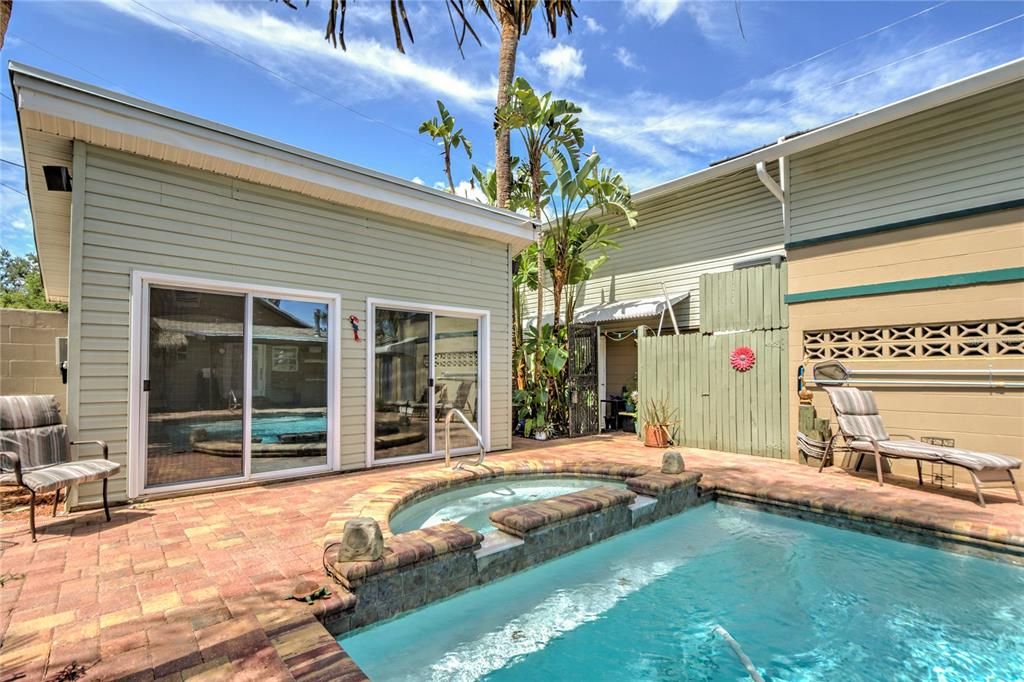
(736,649)
(448,438)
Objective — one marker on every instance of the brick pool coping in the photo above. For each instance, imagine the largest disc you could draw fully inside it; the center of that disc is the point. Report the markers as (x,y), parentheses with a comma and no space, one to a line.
(192,587)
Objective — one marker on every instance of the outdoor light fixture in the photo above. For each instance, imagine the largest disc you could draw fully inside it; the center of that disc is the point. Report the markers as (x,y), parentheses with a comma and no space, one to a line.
(58,178)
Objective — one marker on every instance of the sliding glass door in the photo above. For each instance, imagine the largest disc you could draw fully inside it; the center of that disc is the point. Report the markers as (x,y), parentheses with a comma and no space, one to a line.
(425,362)
(457,367)
(235,383)
(195,386)
(404,412)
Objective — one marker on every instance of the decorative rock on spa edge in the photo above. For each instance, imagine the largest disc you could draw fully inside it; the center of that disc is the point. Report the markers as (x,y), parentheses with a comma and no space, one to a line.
(361,540)
(672,463)
(405,549)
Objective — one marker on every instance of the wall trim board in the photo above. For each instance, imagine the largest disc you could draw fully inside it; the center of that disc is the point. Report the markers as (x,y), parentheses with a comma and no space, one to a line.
(903,224)
(919,284)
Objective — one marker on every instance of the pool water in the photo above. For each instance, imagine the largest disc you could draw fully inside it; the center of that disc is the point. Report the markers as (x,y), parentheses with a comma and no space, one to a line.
(805,601)
(266,429)
(471,505)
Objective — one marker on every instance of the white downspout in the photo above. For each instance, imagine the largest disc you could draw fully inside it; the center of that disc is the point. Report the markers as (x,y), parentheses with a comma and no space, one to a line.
(781,192)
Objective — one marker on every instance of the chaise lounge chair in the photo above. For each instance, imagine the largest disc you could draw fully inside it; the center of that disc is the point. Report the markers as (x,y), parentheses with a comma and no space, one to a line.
(864,433)
(34,449)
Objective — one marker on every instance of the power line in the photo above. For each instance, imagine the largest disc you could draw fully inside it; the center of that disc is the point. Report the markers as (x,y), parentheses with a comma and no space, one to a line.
(281,76)
(13,163)
(14,189)
(904,59)
(860,37)
(876,31)
(68,61)
(6,96)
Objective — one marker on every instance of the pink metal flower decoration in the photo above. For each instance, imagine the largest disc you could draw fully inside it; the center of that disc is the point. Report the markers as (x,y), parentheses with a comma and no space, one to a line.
(742,358)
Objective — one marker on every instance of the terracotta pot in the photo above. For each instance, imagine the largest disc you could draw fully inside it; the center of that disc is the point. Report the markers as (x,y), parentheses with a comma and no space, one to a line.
(655,436)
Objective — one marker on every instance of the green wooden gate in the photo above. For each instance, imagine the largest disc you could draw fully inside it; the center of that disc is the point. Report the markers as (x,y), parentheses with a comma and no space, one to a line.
(719,408)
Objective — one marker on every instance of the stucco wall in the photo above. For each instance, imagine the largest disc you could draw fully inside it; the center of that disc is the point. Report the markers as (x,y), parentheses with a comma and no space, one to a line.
(981,419)
(28,361)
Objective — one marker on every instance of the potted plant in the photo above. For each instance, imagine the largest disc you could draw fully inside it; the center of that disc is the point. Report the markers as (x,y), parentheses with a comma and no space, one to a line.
(657,420)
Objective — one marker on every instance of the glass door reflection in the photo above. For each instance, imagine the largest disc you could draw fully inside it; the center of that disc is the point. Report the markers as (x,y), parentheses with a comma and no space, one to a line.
(196,398)
(404,404)
(289,384)
(457,377)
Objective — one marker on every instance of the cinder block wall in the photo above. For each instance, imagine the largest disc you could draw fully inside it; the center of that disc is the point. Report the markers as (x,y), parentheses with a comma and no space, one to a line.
(28,362)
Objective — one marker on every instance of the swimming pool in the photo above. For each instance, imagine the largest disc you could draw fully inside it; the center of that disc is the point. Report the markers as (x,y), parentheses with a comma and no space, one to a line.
(471,505)
(805,601)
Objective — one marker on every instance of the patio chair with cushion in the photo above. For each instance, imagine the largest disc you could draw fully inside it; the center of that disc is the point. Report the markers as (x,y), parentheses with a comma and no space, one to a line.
(34,448)
(864,433)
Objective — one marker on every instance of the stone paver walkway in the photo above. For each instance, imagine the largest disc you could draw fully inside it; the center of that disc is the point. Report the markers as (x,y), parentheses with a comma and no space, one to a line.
(193,587)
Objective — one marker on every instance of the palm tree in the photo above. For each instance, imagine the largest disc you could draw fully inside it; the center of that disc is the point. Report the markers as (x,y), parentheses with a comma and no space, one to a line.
(5,18)
(514,18)
(443,131)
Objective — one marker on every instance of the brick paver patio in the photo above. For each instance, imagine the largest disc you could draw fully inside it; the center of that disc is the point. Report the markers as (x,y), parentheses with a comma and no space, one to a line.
(194,587)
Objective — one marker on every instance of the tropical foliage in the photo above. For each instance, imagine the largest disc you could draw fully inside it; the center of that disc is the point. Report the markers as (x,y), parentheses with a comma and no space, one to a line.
(443,131)
(581,205)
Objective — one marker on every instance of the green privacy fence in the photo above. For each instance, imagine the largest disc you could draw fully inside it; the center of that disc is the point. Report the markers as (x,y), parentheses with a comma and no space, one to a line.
(719,408)
(749,298)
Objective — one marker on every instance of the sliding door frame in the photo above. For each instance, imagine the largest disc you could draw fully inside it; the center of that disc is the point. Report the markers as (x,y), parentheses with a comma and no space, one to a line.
(138,400)
(483,318)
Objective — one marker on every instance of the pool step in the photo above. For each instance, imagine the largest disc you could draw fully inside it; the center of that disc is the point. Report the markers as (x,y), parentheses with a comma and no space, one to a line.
(642,506)
(497,541)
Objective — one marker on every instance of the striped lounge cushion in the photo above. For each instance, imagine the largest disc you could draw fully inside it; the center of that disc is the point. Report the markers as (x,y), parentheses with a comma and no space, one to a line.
(969,459)
(59,476)
(857,413)
(37,447)
(28,411)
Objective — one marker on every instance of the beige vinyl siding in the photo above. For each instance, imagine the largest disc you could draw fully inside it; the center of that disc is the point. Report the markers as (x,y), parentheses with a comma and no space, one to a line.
(959,156)
(679,237)
(153,216)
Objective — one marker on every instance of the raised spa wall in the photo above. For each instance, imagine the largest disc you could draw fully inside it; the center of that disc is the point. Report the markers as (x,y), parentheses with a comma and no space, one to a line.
(429,564)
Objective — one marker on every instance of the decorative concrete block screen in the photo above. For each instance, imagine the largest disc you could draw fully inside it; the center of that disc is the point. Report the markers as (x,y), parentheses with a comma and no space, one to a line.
(28,363)
(718,407)
(993,338)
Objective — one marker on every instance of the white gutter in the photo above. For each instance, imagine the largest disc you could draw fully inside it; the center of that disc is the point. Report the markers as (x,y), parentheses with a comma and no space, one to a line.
(995,77)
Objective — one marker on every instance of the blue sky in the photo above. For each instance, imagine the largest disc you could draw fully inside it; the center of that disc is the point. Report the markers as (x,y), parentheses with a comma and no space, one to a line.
(667,86)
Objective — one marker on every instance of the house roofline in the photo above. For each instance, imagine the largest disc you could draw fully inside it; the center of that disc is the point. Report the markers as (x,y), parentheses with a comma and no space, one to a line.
(64,97)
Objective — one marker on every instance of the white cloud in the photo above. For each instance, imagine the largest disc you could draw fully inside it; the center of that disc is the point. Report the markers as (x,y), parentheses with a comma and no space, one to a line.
(718,21)
(592,26)
(656,11)
(469,190)
(681,136)
(369,67)
(562,64)
(627,59)
(418,180)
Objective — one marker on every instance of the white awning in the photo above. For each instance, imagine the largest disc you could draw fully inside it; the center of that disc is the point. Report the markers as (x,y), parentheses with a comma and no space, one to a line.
(630,309)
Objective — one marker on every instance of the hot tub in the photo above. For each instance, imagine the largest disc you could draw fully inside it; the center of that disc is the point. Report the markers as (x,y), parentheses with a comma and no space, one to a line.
(471,505)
